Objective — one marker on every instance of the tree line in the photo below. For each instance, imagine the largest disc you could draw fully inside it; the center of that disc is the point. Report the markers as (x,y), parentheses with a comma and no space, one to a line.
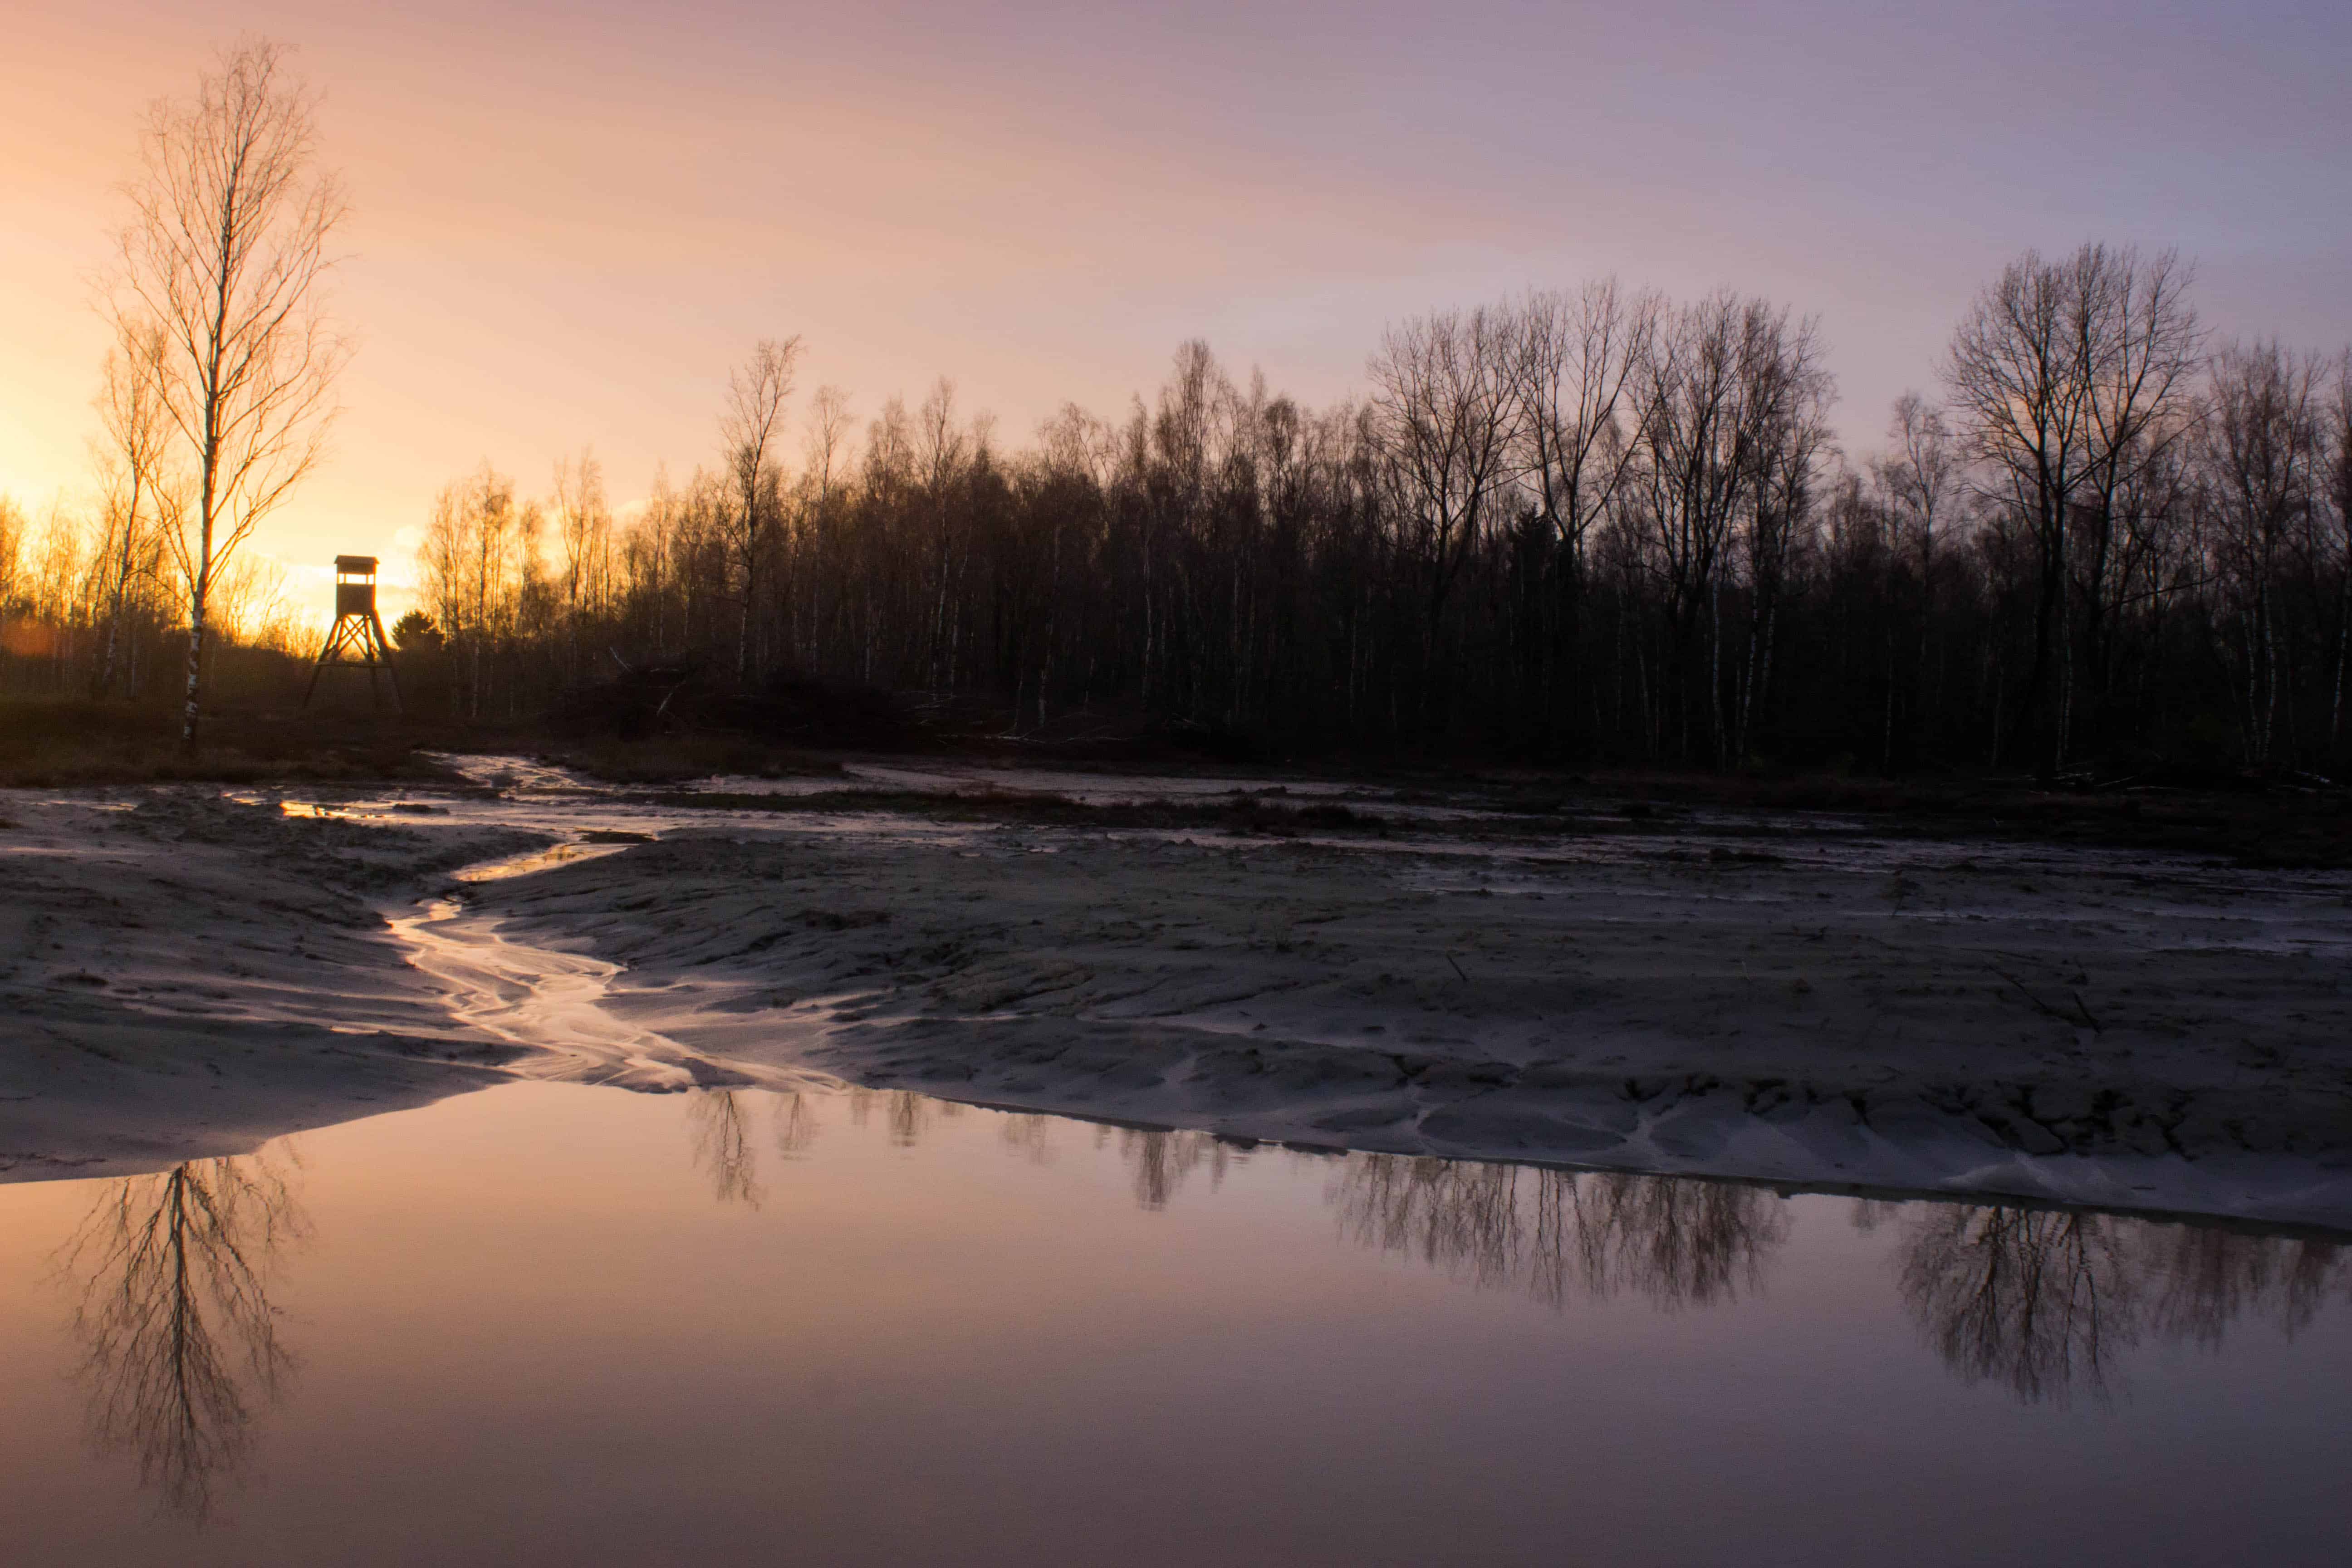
(1592,525)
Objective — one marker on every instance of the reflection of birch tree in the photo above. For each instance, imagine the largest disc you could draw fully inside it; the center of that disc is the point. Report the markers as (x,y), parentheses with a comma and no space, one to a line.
(2203,1278)
(906,1114)
(180,1341)
(797,1124)
(1032,1134)
(2044,1302)
(1559,1234)
(1161,1160)
(721,1119)
(722,1146)
(2040,1300)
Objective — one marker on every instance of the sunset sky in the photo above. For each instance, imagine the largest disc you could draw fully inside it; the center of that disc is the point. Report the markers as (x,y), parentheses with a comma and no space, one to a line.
(569,221)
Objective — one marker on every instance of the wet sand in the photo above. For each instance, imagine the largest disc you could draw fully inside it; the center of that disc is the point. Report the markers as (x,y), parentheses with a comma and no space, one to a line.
(1791,997)
(1819,1007)
(185,975)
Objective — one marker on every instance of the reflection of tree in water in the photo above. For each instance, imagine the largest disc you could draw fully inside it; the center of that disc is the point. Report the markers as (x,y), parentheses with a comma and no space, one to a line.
(2204,1278)
(722,1145)
(1031,1135)
(721,1119)
(2041,1300)
(796,1123)
(905,1113)
(180,1343)
(1559,1234)
(1549,1232)
(1161,1161)
(2045,1300)
(2038,1299)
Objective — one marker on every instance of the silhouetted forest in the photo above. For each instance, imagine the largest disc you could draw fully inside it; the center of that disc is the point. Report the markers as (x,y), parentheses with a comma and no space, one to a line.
(1589,527)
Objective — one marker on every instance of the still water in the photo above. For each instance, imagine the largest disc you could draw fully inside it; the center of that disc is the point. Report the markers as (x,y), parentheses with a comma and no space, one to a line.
(556,1324)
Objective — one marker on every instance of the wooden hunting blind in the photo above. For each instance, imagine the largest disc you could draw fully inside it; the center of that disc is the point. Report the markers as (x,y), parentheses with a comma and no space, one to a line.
(357,641)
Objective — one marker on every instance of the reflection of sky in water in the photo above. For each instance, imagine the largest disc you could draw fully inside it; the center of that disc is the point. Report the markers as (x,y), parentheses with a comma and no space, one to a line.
(546,1323)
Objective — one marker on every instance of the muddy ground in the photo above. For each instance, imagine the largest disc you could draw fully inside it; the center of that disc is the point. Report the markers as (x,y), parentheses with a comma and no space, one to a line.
(1823,997)
(1797,999)
(182,975)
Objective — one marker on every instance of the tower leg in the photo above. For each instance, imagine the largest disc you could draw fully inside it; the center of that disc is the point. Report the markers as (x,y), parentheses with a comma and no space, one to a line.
(326,657)
(391,671)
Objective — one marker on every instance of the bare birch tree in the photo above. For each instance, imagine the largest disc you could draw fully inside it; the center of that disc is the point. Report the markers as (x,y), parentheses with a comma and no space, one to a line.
(2141,345)
(828,438)
(584,526)
(1581,353)
(2068,377)
(227,256)
(825,466)
(748,427)
(2019,383)
(1576,385)
(1447,415)
(1732,427)
(1921,472)
(474,560)
(1784,400)
(942,454)
(2262,447)
(1921,476)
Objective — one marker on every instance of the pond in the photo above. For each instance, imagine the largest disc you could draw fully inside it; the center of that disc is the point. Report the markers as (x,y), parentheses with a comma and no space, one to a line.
(549,1323)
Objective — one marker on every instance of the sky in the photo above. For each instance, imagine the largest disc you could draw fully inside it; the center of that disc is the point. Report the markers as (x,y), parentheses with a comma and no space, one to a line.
(569,221)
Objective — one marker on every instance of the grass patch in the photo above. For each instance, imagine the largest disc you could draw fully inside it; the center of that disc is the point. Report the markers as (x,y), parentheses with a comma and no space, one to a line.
(59,742)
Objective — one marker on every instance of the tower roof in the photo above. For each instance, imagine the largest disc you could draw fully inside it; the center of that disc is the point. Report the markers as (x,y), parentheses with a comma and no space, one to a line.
(355,563)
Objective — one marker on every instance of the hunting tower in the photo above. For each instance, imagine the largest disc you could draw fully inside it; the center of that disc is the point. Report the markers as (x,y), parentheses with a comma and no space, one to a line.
(357,637)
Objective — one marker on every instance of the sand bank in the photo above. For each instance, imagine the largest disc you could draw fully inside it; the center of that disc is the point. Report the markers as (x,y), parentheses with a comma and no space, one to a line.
(184,974)
(1810,1005)
(1792,997)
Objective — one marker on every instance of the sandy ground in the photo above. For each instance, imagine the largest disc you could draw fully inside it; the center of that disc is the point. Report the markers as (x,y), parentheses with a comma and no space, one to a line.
(1788,997)
(183,975)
